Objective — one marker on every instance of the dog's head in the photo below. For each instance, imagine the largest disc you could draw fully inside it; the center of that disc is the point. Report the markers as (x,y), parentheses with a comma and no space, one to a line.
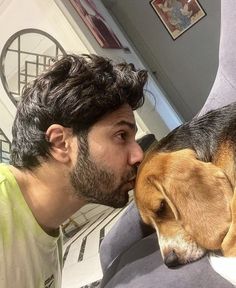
(187,201)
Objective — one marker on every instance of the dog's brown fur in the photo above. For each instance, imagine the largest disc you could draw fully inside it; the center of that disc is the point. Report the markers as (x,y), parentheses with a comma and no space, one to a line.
(185,186)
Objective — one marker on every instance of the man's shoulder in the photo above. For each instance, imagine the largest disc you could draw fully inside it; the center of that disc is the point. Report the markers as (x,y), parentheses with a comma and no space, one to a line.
(7,179)
(4,172)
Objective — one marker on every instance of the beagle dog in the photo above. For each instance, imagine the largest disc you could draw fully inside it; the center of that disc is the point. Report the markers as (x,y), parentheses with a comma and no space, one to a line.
(185,188)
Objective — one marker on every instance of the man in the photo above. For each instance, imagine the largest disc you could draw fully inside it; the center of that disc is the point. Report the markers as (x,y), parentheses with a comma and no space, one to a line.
(73,143)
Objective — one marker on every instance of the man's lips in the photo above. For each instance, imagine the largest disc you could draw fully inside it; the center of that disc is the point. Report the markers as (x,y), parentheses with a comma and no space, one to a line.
(131,182)
(132,178)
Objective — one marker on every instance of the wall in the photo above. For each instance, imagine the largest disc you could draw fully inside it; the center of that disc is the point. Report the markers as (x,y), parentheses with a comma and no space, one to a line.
(157,113)
(44,15)
(61,22)
(185,68)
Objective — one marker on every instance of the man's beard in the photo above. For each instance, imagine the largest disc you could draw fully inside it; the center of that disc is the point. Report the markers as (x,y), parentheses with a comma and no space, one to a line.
(97,184)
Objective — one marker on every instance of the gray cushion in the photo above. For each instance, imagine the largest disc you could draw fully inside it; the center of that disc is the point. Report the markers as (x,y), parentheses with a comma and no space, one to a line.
(142,267)
(128,257)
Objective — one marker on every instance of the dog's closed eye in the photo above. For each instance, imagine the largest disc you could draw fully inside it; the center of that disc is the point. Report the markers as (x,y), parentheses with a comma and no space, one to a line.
(161,211)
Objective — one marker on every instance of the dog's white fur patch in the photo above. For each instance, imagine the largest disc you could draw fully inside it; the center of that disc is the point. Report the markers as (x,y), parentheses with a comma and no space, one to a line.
(224,266)
(186,251)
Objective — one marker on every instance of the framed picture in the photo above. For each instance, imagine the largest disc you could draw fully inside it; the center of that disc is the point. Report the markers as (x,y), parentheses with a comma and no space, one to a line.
(96,23)
(178,15)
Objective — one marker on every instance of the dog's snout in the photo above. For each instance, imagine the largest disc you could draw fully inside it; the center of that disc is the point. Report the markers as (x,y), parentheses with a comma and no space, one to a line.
(172,260)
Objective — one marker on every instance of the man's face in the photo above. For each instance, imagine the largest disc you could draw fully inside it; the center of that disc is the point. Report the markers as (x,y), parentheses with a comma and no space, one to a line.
(106,165)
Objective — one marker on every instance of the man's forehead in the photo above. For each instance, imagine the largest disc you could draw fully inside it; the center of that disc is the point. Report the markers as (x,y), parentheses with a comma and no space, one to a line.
(123,116)
(130,124)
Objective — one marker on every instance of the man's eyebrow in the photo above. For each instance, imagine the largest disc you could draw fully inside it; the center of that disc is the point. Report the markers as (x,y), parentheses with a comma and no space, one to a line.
(131,125)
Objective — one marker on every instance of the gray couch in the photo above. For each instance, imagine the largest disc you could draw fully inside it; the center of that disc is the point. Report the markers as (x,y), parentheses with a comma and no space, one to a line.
(129,254)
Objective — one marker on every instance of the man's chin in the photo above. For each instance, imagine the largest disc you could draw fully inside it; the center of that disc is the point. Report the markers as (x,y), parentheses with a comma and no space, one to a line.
(117,198)
(119,202)
(114,201)
(128,186)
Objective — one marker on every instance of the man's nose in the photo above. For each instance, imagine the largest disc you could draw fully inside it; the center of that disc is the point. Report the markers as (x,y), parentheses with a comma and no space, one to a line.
(136,154)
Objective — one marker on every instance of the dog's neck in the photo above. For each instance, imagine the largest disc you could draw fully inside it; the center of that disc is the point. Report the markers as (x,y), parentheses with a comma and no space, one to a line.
(225,159)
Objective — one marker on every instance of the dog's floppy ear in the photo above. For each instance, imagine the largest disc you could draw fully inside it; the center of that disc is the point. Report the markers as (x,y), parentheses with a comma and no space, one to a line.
(201,193)
(160,188)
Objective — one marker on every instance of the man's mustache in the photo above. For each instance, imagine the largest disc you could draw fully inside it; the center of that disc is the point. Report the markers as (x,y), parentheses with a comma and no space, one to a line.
(132,173)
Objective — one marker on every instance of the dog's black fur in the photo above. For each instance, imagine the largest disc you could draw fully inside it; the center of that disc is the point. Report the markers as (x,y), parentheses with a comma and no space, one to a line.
(204,135)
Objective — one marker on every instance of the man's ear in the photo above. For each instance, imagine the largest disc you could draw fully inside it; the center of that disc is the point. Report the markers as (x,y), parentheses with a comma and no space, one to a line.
(60,142)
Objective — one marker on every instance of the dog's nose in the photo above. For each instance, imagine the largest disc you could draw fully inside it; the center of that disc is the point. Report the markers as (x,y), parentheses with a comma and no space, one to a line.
(171,260)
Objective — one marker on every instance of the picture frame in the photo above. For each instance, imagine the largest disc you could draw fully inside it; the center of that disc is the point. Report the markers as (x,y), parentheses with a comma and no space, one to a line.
(178,15)
(96,23)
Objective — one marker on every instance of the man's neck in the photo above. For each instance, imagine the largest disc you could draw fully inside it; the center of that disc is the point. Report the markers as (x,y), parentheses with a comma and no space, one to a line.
(49,195)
